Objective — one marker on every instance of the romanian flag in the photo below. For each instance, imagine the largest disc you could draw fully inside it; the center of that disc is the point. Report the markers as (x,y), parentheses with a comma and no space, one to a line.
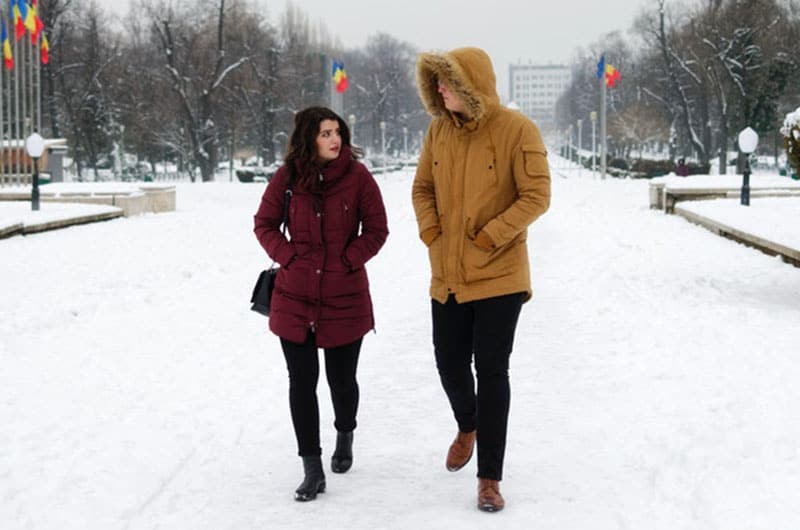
(7,57)
(37,23)
(339,77)
(610,73)
(17,17)
(45,49)
(30,17)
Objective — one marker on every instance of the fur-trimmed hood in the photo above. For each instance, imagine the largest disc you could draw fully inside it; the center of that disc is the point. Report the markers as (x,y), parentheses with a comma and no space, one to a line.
(467,71)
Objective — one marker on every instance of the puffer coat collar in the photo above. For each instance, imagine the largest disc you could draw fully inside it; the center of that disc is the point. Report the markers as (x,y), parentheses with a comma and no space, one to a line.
(330,171)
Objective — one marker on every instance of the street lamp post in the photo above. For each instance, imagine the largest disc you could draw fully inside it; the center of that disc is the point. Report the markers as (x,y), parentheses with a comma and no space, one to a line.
(35,147)
(580,164)
(405,142)
(748,140)
(352,120)
(383,143)
(593,117)
(569,143)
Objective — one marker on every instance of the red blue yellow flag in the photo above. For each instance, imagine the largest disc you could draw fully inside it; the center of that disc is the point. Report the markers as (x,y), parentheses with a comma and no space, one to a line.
(7,57)
(18,12)
(38,25)
(45,49)
(610,73)
(339,77)
(30,17)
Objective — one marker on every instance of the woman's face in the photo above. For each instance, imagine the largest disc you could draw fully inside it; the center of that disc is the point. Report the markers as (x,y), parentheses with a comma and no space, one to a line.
(452,101)
(329,141)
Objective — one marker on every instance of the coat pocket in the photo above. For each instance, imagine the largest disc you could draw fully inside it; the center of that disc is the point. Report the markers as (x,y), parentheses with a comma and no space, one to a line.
(478,264)
(535,156)
(436,258)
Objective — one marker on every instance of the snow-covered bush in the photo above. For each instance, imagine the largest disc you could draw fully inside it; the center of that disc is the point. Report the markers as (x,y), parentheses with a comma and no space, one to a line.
(791,138)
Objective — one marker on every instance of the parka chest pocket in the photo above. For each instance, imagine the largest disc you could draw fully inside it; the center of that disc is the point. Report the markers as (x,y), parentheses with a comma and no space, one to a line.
(299,217)
(535,157)
(340,215)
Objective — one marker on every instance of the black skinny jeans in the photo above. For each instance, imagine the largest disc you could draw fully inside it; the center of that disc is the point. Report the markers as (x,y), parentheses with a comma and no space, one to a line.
(486,329)
(302,361)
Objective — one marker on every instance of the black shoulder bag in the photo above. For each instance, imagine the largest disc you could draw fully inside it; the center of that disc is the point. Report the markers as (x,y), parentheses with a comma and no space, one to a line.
(262,292)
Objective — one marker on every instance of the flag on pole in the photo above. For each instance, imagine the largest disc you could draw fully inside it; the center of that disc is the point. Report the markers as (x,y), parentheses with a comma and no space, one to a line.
(45,49)
(7,57)
(339,77)
(610,73)
(37,23)
(30,17)
(18,13)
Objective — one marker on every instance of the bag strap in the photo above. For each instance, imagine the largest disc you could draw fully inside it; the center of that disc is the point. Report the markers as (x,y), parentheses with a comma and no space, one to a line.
(287,197)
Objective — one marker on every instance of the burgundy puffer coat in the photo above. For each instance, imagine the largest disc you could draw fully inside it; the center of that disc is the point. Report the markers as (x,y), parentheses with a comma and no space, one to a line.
(322,284)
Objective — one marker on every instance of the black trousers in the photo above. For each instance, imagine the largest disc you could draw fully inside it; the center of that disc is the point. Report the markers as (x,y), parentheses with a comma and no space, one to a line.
(483,329)
(302,361)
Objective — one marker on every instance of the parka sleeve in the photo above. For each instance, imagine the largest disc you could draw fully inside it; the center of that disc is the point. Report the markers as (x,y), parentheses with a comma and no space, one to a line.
(268,218)
(531,175)
(374,227)
(423,193)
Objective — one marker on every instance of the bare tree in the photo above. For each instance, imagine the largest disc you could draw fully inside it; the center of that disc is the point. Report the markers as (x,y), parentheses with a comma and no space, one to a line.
(197,66)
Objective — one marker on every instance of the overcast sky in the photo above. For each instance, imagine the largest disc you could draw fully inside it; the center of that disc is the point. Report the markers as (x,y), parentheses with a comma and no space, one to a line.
(511,31)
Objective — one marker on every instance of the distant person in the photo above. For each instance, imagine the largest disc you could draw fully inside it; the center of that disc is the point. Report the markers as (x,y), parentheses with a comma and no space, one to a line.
(482,179)
(682,170)
(336,223)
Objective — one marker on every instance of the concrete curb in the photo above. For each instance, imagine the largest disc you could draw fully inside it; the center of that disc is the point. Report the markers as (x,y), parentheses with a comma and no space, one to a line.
(63,223)
(10,230)
(789,255)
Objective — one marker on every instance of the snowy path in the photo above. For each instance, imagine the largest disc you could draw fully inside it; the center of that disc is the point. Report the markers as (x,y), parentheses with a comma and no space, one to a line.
(654,379)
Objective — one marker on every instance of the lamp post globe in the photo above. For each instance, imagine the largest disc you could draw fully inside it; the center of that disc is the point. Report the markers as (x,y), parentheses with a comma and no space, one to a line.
(34,145)
(748,140)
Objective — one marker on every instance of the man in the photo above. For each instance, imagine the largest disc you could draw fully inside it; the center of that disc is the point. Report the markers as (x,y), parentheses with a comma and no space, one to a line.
(482,179)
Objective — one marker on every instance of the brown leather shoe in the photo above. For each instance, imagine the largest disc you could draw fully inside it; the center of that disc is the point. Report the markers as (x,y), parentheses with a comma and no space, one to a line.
(460,450)
(489,498)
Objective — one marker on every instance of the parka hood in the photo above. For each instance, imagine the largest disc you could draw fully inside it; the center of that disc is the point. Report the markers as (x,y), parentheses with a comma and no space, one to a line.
(467,71)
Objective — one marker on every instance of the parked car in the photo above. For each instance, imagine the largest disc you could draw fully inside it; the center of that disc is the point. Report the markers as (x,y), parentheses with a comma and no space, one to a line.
(256,173)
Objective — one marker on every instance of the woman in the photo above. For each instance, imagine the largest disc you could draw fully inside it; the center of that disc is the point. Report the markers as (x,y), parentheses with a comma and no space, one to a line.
(321,297)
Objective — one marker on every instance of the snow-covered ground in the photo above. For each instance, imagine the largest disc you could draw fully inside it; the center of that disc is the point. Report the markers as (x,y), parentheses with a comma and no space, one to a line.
(654,379)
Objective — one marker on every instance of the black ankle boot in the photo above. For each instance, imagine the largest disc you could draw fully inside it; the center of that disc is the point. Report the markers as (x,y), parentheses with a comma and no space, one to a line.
(342,457)
(314,481)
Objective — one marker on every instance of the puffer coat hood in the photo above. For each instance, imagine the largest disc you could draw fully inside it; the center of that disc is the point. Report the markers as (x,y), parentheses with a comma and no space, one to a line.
(467,71)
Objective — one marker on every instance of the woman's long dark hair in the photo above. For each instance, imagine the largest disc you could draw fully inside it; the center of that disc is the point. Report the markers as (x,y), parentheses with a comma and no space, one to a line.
(302,149)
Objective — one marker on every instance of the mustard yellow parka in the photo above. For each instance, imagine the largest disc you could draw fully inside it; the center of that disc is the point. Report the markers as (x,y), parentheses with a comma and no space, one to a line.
(482,179)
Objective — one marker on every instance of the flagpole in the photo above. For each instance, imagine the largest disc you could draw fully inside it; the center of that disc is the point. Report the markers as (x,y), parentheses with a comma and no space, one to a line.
(38,93)
(16,136)
(3,151)
(603,145)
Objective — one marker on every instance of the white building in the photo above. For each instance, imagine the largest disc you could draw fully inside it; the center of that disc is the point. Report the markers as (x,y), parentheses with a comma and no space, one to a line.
(536,89)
